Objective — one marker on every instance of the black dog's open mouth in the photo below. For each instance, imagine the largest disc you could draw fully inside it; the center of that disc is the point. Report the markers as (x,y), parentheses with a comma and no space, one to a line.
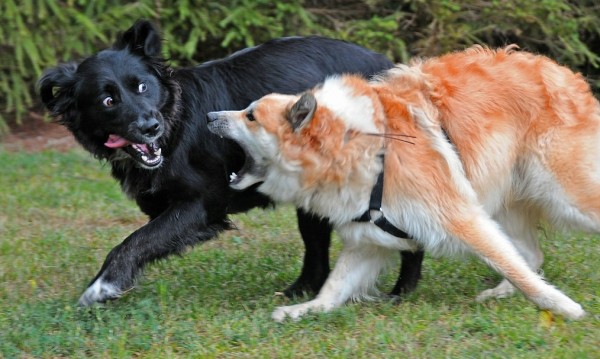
(147,154)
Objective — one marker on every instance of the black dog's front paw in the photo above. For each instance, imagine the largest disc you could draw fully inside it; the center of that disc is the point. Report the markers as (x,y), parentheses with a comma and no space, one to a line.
(100,291)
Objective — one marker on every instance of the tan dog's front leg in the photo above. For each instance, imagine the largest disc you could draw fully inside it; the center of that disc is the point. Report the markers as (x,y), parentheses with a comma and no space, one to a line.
(353,276)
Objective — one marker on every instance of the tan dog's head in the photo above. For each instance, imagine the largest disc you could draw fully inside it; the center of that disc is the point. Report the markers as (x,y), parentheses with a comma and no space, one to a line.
(292,141)
(255,130)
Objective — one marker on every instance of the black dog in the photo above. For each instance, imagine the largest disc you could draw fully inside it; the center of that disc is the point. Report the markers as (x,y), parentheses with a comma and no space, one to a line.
(127,106)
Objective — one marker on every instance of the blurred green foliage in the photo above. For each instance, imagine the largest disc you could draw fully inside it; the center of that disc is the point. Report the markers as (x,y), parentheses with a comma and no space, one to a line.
(37,34)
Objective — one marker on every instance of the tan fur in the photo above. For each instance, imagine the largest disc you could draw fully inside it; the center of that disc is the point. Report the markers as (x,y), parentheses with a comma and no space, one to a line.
(524,145)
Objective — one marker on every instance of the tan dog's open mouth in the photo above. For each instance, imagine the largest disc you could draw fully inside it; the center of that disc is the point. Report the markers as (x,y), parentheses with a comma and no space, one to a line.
(251,171)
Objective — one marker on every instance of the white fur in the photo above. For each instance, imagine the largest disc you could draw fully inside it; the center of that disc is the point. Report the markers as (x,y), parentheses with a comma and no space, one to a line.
(540,186)
(99,291)
(355,234)
(492,192)
(283,184)
(354,110)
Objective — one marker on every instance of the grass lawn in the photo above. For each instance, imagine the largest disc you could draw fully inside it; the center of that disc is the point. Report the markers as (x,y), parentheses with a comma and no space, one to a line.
(60,214)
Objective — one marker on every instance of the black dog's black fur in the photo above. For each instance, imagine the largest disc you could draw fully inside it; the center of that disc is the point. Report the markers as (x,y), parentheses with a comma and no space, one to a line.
(130,91)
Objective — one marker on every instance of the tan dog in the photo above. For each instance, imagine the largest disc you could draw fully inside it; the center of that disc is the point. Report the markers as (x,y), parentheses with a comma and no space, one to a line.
(479,147)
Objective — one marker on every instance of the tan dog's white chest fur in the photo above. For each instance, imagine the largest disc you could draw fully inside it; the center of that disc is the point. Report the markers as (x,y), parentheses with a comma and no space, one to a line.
(479,147)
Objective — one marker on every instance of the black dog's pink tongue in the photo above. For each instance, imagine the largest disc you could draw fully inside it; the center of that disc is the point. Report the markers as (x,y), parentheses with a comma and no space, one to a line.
(116,141)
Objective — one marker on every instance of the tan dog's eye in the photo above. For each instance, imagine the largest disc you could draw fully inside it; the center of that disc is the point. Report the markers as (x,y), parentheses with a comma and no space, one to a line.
(250,116)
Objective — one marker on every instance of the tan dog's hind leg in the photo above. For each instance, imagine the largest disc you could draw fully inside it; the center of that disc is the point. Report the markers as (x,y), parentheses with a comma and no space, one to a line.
(353,276)
(463,218)
(519,221)
(482,235)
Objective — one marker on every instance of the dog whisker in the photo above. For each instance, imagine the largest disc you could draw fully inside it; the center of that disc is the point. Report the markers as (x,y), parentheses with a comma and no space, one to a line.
(392,136)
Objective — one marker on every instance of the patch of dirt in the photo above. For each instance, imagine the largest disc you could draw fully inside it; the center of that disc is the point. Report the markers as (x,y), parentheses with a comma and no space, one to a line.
(36,134)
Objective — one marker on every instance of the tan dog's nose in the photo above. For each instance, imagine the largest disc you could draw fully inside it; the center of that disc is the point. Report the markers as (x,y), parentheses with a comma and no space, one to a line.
(212,116)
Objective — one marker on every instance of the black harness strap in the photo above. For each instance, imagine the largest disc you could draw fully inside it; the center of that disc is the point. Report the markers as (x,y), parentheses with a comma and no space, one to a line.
(375,205)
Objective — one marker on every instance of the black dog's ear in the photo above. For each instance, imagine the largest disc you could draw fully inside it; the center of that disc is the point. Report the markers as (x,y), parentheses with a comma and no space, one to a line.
(302,111)
(141,39)
(56,88)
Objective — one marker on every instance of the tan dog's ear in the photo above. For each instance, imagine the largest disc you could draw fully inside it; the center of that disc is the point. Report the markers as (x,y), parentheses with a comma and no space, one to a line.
(302,111)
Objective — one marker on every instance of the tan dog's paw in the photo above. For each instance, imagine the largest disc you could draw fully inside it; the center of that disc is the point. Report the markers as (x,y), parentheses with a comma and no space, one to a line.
(295,312)
(572,311)
(502,290)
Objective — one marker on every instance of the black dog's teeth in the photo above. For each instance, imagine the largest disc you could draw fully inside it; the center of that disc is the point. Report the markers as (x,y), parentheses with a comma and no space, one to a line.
(150,153)
(155,149)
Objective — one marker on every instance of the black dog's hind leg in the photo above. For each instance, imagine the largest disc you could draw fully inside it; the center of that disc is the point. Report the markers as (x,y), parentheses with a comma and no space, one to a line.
(316,234)
(171,232)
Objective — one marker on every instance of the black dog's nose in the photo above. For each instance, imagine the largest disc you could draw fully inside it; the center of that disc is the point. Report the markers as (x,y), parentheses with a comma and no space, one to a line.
(150,127)
(212,116)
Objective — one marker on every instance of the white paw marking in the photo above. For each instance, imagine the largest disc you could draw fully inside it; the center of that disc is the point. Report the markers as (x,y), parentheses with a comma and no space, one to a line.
(99,291)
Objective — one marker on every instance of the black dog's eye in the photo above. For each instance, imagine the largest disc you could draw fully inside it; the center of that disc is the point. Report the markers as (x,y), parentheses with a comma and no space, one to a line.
(250,116)
(142,87)
(108,102)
